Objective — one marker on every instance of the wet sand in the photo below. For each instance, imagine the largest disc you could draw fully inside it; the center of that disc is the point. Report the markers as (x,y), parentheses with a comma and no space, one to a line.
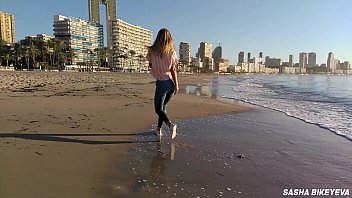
(251,154)
(62,134)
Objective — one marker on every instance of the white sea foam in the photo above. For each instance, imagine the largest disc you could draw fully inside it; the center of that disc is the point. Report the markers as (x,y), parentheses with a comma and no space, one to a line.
(306,106)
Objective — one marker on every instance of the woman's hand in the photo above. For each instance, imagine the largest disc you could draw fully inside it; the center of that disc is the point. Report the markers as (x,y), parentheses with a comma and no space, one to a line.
(176,89)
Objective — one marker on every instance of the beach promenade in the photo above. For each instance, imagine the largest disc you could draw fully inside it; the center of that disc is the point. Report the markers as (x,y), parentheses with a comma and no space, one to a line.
(90,135)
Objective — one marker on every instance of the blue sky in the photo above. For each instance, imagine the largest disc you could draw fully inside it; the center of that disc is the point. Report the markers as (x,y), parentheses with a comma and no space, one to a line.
(275,27)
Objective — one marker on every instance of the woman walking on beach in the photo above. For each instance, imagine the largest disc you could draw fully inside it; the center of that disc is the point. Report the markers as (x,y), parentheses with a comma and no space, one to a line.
(163,61)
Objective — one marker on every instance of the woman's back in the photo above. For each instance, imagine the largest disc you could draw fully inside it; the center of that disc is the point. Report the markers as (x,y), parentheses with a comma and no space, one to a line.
(161,66)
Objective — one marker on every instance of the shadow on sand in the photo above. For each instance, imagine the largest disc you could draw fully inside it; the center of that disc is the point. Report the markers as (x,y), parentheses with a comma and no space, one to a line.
(74,139)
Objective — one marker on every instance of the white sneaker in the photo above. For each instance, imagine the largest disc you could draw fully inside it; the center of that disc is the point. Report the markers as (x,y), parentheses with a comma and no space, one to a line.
(173,129)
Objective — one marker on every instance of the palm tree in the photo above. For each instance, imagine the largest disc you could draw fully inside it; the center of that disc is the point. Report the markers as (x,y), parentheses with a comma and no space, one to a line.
(132,53)
(42,47)
(123,57)
(104,54)
(33,53)
(17,52)
(51,46)
(141,59)
(58,47)
(7,57)
(2,43)
(98,52)
(90,61)
(72,55)
(27,56)
(120,57)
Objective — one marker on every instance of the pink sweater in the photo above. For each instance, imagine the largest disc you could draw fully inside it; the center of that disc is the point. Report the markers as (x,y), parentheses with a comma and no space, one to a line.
(161,66)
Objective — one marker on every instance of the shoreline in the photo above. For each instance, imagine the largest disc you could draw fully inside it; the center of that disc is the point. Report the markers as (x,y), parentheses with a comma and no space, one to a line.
(250,105)
(228,156)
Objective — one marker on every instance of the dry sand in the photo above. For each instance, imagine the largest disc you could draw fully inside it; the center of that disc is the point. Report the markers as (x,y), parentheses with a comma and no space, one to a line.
(60,132)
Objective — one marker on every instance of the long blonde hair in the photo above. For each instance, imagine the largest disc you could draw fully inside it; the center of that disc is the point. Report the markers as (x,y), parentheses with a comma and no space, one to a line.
(163,44)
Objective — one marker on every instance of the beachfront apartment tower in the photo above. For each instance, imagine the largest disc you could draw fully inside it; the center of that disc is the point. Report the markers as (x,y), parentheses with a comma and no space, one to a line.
(7,27)
(128,46)
(312,59)
(28,40)
(205,55)
(303,60)
(217,56)
(79,35)
(94,9)
(94,15)
(290,60)
(260,61)
(272,62)
(185,53)
(205,50)
(331,63)
(240,58)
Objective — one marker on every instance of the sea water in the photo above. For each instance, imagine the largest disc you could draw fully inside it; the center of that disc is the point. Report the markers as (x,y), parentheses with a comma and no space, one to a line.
(323,100)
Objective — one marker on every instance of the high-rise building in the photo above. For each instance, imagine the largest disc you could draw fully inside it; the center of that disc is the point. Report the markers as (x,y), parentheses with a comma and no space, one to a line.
(331,62)
(260,58)
(223,65)
(185,53)
(7,27)
(79,35)
(303,60)
(94,9)
(28,40)
(248,57)
(217,56)
(272,62)
(290,61)
(205,55)
(240,58)
(94,15)
(345,65)
(205,50)
(128,42)
(312,59)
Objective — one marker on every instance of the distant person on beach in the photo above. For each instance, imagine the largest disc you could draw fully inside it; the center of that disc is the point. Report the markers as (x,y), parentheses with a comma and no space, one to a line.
(163,61)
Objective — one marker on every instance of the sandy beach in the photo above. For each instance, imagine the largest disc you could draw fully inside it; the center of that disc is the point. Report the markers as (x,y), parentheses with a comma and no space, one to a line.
(62,133)
(90,135)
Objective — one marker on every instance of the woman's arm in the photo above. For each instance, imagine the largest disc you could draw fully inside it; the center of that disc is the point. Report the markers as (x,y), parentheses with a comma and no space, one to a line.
(174,77)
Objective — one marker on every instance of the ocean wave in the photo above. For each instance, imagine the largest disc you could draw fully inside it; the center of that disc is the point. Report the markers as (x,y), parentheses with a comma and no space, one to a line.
(328,112)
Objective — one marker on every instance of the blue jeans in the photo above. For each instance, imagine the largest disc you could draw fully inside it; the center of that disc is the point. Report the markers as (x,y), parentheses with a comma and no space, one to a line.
(163,93)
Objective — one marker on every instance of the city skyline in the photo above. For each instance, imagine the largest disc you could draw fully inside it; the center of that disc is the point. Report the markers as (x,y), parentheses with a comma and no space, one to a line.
(275,28)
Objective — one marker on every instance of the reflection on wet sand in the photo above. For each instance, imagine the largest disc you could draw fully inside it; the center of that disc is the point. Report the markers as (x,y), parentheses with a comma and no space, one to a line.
(158,178)
(201,90)
(209,89)
(218,88)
